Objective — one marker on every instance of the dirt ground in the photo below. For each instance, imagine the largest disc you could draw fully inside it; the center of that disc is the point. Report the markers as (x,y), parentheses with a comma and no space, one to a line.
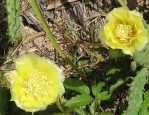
(74,23)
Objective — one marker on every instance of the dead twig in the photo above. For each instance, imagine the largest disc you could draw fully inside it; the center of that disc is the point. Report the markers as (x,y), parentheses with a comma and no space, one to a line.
(32,37)
(58,4)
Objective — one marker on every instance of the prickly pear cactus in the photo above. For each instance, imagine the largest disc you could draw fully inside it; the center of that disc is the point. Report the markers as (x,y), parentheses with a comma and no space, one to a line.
(13,19)
(142,57)
(136,92)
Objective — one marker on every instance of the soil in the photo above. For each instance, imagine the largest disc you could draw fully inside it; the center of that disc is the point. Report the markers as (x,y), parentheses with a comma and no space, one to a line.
(74,23)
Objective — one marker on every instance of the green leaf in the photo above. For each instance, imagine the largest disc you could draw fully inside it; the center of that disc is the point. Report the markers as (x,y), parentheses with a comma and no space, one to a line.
(104,95)
(80,111)
(3,100)
(114,54)
(76,85)
(79,100)
(95,105)
(145,104)
(115,86)
(136,92)
(96,89)
(112,71)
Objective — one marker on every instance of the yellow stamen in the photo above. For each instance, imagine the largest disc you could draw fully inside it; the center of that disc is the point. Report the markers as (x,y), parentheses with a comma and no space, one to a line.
(123,32)
(37,85)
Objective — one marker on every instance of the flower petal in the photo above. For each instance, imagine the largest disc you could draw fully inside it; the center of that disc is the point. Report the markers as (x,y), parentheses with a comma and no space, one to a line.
(117,14)
(131,35)
(37,82)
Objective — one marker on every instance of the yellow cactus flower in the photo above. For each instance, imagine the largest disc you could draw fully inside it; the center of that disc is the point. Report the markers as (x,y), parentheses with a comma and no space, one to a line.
(36,83)
(124,30)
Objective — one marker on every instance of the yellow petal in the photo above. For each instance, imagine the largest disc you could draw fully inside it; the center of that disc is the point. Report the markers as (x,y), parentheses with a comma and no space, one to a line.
(117,14)
(131,34)
(138,14)
(37,82)
(25,64)
(142,40)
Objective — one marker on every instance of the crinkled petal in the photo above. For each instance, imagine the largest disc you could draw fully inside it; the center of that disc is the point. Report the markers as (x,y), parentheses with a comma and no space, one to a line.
(142,40)
(37,82)
(138,37)
(117,14)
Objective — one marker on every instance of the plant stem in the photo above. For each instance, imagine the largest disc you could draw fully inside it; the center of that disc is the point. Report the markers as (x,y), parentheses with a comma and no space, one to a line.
(59,105)
(46,28)
(123,4)
(117,85)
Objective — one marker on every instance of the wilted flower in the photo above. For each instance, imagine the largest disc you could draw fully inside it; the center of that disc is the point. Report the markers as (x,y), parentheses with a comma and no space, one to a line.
(124,30)
(36,83)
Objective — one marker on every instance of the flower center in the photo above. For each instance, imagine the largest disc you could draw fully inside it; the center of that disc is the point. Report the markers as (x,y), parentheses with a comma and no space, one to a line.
(123,32)
(37,85)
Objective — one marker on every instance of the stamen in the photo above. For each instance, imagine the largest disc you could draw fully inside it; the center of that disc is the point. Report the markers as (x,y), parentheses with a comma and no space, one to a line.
(37,85)
(123,32)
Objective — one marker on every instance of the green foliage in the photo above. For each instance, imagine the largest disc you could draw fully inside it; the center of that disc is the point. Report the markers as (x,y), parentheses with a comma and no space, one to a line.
(80,111)
(94,106)
(97,88)
(100,95)
(86,1)
(105,95)
(76,85)
(114,54)
(13,18)
(133,65)
(145,104)
(136,92)
(3,100)
(142,57)
(105,113)
(79,100)
(115,86)
(112,71)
